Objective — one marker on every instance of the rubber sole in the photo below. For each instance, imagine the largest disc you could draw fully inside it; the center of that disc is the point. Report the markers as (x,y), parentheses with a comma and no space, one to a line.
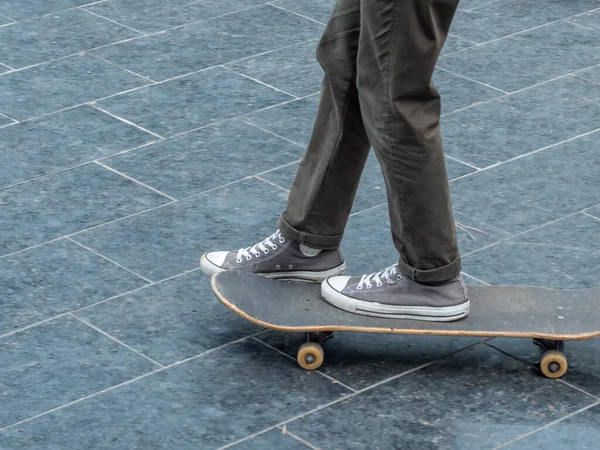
(307,276)
(426,313)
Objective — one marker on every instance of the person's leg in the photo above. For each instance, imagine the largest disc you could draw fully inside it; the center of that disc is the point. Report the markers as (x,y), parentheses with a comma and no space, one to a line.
(400,43)
(307,245)
(325,186)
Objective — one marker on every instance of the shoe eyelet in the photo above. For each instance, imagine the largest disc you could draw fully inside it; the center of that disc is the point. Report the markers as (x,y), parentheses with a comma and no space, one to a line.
(290,266)
(278,266)
(274,247)
(359,288)
(369,286)
(281,240)
(379,284)
(266,252)
(239,260)
(256,255)
(248,258)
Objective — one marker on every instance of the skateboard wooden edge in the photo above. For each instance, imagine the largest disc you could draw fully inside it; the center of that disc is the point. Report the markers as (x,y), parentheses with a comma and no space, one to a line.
(406,331)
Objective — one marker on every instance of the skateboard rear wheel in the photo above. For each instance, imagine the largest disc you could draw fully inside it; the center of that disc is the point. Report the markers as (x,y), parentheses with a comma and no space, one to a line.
(553,364)
(310,356)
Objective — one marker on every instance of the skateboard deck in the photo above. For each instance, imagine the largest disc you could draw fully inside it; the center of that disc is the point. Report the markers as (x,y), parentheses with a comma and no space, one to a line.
(496,311)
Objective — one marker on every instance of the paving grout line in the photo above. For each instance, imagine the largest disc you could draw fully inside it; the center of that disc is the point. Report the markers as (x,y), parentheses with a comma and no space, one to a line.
(82,8)
(247,438)
(172,199)
(462,39)
(579,25)
(257,80)
(547,425)
(360,391)
(476,279)
(506,239)
(124,40)
(298,438)
(295,13)
(472,166)
(160,369)
(109,260)
(579,389)
(473,81)
(122,119)
(118,66)
(66,169)
(118,341)
(526,154)
(241,119)
(272,51)
(114,297)
(27,327)
(368,209)
(590,215)
(330,378)
(272,184)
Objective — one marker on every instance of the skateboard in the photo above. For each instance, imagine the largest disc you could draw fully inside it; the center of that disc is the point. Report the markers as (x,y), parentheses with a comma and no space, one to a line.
(549,316)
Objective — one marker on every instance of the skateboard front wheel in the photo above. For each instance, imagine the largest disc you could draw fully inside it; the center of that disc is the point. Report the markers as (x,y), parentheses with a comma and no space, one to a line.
(310,356)
(553,364)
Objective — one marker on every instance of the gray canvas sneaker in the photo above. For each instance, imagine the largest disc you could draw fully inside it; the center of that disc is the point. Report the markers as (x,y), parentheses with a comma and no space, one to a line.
(390,294)
(278,257)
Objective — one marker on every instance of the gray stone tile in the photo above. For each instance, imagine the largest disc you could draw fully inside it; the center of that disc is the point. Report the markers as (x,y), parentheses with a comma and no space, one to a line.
(478,398)
(25,9)
(58,362)
(56,278)
(206,159)
(315,9)
(528,58)
(57,85)
(467,5)
(360,360)
(455,44)
(493,20)
(564,254)
(210,96)
(205,403)
(274,439)
(170,321)
(155,15)
(589,19)
(51,207)
(371,190)
(592,75)
(582,357)
(368,245)
(458,93)
(533,190)
(170,240)
(522,123)
(37,40)
(581,432)
(224,39)
(59,141)
(293,120)
(293,69)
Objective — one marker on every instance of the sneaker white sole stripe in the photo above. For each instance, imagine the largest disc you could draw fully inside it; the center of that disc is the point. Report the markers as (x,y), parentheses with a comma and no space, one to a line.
(429,313)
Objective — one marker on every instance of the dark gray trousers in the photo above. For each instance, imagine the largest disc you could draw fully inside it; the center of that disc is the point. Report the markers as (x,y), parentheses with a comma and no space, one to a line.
(379,57)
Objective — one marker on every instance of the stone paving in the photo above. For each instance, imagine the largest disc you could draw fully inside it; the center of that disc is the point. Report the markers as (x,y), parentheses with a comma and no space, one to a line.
(136,134)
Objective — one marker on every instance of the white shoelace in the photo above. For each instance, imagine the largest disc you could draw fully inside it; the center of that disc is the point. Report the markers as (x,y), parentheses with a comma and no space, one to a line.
(389,275)
(260,247)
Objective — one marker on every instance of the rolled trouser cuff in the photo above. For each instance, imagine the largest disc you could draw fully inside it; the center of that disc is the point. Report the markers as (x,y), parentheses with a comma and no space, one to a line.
(310,240)
(436,275)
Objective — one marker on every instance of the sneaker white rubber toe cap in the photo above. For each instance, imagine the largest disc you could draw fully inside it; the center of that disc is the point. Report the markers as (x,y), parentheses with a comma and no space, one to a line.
(337,283)
(212,263)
